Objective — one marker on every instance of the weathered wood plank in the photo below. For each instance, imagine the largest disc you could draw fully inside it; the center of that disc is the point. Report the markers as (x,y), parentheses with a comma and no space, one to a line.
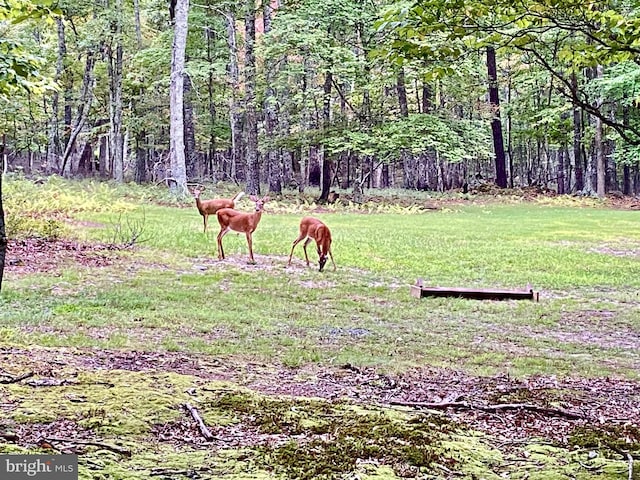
(420,291)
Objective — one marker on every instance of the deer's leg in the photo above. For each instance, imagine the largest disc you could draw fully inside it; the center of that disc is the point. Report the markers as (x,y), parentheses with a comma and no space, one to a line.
(304,246)
(295,242)
(332,261)
(205,217)
(250,243)
(222,233)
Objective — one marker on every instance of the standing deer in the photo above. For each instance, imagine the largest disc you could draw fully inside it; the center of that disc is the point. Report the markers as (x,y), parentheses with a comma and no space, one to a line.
(313,229)
(241,222)
(210,207)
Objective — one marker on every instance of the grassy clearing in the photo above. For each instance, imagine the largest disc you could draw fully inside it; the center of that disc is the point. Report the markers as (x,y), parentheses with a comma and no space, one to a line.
(170,294)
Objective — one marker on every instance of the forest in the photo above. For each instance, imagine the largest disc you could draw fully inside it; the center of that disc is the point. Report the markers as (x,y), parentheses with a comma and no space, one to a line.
(432,95)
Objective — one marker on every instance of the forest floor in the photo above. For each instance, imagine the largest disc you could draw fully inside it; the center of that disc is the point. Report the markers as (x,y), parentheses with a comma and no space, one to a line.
(593,422)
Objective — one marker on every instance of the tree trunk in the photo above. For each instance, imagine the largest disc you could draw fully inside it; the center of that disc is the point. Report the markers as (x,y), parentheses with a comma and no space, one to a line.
(577,141)
(326,121)
(191,156)
(53,148)
(141,157)
(176,98)
(86,98)
(136,16)
(402,94)
(3,231)
(408,160)
(496,122)
(210,167)
(115,111)
(251,120)
(601,166)
(235,110)
(273,157)
(427,101)
(560,172)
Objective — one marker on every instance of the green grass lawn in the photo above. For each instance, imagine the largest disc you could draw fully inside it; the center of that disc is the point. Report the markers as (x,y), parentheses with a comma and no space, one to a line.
(138,332)
(170,291)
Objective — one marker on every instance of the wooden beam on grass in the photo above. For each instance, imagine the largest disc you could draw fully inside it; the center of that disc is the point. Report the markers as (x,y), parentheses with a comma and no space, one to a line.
(419,291)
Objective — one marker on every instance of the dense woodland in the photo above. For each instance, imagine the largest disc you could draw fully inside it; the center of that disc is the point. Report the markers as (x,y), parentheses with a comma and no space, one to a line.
(351,94)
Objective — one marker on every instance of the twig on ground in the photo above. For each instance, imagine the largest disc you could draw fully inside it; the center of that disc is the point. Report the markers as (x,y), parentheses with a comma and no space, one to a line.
(114,448)
(491,408)
(10,436)
(17,379)
(206,433)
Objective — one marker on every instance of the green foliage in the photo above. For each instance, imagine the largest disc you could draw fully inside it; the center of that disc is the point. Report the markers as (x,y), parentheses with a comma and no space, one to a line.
(19,66)
(41,208)
(454,140)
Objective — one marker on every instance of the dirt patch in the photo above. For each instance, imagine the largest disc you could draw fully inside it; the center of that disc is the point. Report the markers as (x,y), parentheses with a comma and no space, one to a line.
(35,255)
(603,401)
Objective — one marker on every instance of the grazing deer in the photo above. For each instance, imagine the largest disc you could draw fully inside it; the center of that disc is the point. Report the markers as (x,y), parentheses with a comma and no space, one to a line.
(313,229)
(241,222)
(210,207)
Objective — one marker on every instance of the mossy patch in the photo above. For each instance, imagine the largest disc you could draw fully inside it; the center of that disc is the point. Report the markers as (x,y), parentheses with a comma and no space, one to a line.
(616,438)
(258,436)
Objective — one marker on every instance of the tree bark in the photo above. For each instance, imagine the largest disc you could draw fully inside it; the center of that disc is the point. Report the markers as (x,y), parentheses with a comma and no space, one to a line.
(53,148)
(251,121)
(3,231)
(496,122)
(191,156)
(210,167)
(115,110)
(402,94)
(408,160)
(326,121)
(136,15)
(86,99)
(577,141)
(601,166)
(560,171)
(141,157)
(235,115)
(273,155)
(176,98)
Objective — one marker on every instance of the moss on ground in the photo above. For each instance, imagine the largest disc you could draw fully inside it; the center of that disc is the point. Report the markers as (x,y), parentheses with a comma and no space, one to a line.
(260,436)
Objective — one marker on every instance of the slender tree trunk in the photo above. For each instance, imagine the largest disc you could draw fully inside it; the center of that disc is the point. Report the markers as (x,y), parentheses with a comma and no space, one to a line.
(116,135)
(326,121)
(402,94)
(273,156)
(176,98)
(3,231)
(408,160)
(141,157)
(427,100)
(191,157)
(235,110)
(86,98)
(577,141)
(136,16)
(212,107)
(53,148)
(496,123)
(251,120)
(560,172)
(601,166)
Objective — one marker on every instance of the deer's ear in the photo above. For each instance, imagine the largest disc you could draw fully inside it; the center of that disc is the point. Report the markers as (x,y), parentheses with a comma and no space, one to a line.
(253,198)
(265,199)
